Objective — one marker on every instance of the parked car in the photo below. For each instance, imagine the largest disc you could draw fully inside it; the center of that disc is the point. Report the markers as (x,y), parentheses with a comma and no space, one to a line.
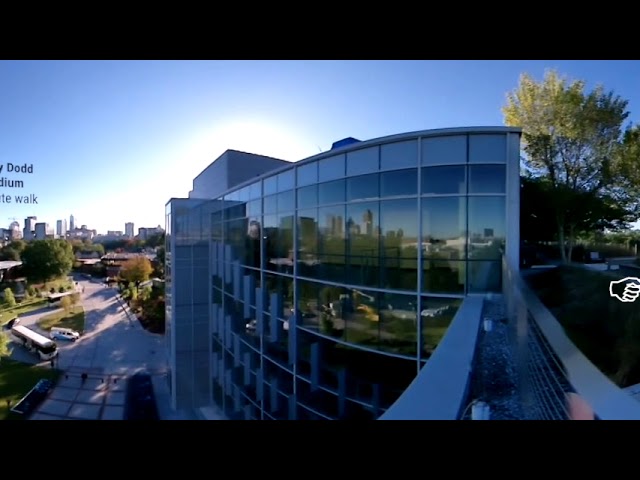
(58,333)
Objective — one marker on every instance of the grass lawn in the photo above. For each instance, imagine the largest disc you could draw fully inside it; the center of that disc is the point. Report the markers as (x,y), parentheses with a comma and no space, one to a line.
(73,319)
(16,380)
(24,307)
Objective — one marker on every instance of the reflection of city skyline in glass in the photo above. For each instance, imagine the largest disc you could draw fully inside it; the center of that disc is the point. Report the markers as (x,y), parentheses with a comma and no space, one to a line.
(328,298)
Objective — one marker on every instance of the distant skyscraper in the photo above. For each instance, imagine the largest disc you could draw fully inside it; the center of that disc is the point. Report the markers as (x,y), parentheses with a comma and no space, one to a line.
(72,223)
(29,228)
(42,231)
(61,228)
(128,229)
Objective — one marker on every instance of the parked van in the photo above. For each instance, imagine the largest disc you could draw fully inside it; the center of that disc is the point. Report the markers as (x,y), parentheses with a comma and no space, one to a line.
(58,333)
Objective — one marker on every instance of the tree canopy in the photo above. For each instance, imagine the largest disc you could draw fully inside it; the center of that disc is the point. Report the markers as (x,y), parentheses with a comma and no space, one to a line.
(578,155)
(5,341)
(47,259)
(137,269)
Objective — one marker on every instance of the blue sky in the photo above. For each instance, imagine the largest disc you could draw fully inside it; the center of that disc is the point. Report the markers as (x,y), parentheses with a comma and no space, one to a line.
(112,141)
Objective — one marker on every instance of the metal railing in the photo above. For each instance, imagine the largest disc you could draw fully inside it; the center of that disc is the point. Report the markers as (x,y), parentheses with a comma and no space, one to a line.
(557,381)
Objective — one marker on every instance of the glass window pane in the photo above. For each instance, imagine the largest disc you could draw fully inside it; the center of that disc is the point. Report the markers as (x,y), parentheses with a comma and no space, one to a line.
(399,324)
(331,168)
(254,234)
(254,208)
(270,185)
(363,187)
(359,312)
(286,180)
(399,155)
(488,148)
(362,161)
(399,182)
(331,243)
(437,315)
(484,276)
(486,227)
(444,150)
(363,239)
(308,174)
(255,190)
(487,179)
(270,204)
(443,180)
(399,255)
(286,201)
(308,242)
(308,196)
(443,276)
(331,192)
(243,194)
(444,227)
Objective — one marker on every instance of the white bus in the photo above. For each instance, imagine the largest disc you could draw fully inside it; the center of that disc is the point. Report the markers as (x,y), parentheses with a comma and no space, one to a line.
(34,342)
(55,298)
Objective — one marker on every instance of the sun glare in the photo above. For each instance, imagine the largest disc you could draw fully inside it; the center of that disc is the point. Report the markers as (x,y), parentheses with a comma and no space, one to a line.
(262,138)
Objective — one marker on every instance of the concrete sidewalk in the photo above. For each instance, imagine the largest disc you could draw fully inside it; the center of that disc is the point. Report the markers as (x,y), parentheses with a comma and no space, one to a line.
(98,398)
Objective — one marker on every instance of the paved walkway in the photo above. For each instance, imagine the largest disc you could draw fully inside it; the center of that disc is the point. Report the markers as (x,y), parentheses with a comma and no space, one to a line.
(99,398)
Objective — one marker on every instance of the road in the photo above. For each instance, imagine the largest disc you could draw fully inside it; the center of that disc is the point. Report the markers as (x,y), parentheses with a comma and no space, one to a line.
(112,343)
(112,346)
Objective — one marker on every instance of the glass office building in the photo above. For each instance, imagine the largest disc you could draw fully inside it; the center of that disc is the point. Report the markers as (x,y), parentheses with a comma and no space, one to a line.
(318,290)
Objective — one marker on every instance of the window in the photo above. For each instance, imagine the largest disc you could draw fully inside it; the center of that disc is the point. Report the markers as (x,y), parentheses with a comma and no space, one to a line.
(331,192)
(443,180)
(362,161)
(486,227)
(307,174)
(444,150)
(487,179)
(363,187)
(399,155)
(488,148)
(444,227)
(271,185)
(286,180)
(399,255)
(308,196)
(331,168)
(399,182)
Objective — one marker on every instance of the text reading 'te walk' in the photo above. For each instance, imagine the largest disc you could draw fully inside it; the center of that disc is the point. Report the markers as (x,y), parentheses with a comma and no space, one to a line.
(31,198)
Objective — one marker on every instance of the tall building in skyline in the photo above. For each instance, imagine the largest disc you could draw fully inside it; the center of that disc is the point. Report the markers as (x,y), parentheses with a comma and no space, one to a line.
(28,232)
(320,289)
(61,228)
(42,231)
(128,229)
(72,223)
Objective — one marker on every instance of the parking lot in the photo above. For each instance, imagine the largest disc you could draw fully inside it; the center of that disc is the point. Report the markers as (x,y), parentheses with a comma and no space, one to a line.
(112,347)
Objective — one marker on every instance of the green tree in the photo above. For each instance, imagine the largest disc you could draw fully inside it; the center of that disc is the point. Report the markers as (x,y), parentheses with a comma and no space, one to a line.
(159,261)
(65,303)
(9,298)
(574,140)
(45,260)
(9,254)
(136,270)
(5,351)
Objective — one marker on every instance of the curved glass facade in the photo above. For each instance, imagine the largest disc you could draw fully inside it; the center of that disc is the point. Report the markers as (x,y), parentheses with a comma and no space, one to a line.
(320,291)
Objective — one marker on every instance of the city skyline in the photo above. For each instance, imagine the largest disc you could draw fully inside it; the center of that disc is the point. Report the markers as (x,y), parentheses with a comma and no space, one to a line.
(70,223)
(112,141)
